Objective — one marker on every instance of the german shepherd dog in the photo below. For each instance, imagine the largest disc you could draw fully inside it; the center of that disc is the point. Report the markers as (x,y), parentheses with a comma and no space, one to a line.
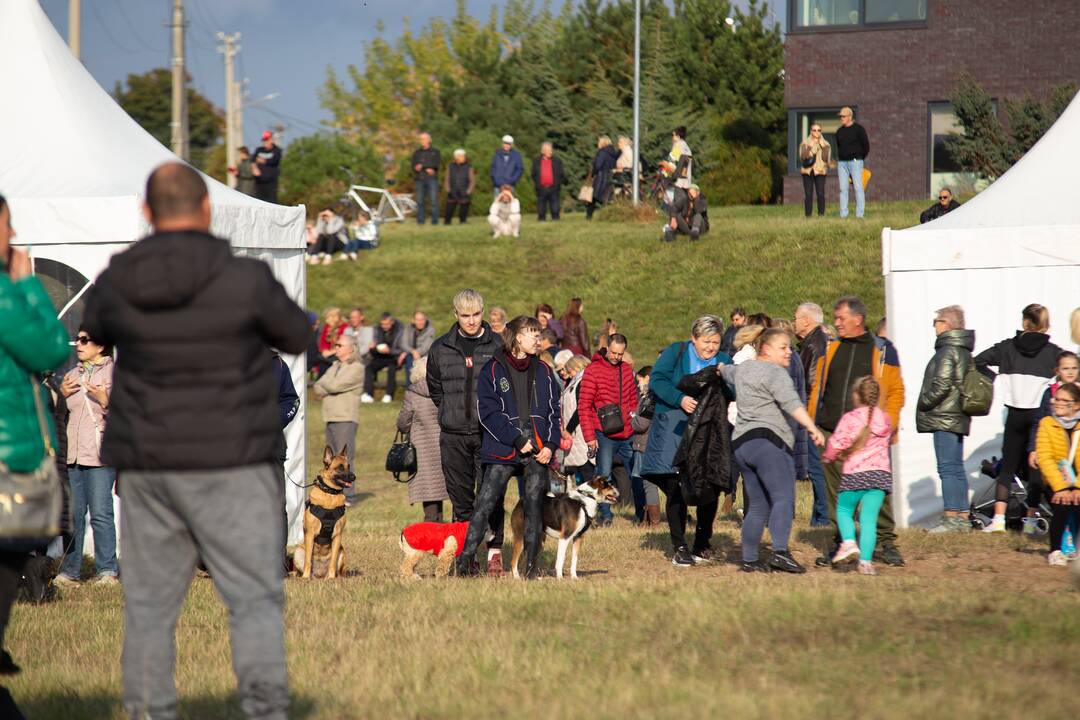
(324,520)
(566,518)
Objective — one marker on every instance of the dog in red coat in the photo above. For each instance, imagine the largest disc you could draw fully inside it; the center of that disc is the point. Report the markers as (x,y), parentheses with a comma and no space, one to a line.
(443,540)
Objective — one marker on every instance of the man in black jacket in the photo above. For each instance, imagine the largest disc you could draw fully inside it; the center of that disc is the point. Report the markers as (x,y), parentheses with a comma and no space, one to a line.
(813,341)
(548,177)
(194,429)
(852,147)
(266,168)
(453,362)
(384,354)
(946,204)
(425,164)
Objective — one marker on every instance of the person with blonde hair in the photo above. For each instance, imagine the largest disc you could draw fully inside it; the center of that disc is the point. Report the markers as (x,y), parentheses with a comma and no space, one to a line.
(575,458)
(497,318)
(1025,362)
(504,217)
(600,170)
(815,154)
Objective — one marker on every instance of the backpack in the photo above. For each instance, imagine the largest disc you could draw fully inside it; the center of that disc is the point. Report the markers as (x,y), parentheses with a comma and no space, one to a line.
(976,393)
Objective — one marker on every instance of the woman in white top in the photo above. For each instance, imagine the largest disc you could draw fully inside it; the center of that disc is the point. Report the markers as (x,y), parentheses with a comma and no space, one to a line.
(505,214)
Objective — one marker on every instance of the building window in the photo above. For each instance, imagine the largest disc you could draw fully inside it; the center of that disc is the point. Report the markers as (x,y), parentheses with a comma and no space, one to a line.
(944,170)
(834,14)
(801,121)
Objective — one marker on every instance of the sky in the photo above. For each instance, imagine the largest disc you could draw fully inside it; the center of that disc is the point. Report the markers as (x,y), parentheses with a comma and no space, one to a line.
(286,46)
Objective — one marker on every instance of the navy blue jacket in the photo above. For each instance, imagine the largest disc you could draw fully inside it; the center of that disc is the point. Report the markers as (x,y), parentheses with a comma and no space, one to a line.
(496,407)
(288,403)
(506,168)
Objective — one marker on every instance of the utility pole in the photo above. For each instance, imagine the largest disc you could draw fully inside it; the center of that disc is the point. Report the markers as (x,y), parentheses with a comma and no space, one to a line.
(238,111)
(231,105)
(75,28)
(179,124)
(637,99)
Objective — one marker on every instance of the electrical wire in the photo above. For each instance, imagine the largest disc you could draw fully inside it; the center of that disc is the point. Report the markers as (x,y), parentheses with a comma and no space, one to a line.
(131,27)
(108,33)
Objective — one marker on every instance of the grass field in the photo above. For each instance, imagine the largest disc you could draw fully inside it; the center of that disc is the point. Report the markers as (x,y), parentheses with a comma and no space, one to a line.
(974,626)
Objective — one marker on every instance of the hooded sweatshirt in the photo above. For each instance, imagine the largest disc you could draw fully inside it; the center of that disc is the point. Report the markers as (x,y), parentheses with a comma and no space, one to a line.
(1026,363)
(194,385)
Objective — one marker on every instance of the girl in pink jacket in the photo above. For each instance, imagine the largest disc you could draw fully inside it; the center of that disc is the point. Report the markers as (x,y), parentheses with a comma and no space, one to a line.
(861,441)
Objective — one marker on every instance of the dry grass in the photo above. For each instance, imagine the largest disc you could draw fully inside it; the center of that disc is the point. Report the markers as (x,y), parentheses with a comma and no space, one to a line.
(964,631)
(975,626)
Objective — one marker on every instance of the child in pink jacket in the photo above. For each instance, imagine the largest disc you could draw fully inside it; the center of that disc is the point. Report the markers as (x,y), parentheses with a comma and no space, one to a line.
(861,441)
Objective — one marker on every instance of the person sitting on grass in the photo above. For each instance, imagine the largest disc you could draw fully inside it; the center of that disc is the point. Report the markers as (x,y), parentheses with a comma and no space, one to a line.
(861,441)
(687,215)
(504,217)
(365,234)
(1055,445)
(332,237)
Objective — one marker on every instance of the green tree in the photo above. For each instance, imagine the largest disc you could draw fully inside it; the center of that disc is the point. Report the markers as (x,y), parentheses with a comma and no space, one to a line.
(147,98)
(985,147)
(313,169)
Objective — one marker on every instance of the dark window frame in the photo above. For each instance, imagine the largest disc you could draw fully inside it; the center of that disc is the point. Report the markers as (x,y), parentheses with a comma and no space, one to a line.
(795,29)
(793,130)
(930,139)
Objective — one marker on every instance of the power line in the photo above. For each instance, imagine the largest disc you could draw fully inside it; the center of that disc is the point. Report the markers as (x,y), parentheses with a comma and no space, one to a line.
(108,33)
(131,27)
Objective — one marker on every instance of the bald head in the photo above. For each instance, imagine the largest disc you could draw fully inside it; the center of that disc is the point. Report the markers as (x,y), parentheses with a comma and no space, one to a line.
(176,198)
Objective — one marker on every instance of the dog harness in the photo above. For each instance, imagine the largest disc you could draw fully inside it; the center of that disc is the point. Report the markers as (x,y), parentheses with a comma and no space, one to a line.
(327,516)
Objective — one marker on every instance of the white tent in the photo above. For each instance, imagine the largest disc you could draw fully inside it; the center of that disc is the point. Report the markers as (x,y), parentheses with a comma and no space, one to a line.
(1016,243)
(73,165)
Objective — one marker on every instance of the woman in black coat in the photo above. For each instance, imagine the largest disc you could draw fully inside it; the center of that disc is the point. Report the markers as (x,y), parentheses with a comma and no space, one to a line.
(603,164)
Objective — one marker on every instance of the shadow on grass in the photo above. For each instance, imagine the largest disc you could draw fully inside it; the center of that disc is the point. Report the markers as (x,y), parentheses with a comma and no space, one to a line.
(724,547)
(69,706)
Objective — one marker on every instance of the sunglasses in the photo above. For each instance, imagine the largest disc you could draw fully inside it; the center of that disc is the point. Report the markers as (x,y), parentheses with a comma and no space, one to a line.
(815,129)
(83,340)
(943,197)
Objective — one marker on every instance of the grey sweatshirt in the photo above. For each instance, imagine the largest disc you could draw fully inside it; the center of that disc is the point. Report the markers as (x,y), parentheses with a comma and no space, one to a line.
(764,392)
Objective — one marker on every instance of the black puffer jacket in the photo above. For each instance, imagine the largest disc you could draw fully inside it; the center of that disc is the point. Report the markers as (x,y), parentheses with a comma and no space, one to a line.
(704,455)
(452,379)
(194,386)
(941,405)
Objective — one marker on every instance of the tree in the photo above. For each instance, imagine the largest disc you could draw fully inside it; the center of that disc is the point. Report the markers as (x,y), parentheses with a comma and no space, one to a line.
(147,98)
(313,169)
(985,147)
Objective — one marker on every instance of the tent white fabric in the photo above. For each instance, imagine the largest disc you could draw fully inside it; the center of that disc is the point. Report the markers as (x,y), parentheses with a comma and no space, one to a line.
(73,165)
(1016,243)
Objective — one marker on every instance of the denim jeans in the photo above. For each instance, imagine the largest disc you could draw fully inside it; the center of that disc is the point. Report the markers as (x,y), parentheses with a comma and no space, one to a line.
(91,489)
(427,187)
(606,450)
(949,450)
(851,169)
(491,495)
(819,515)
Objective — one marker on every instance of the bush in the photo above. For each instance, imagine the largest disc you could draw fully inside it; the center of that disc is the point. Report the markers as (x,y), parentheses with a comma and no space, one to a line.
(736,175)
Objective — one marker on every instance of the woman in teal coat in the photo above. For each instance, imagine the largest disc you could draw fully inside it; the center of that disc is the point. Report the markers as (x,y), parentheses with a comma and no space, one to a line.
(32,341)
(673,409)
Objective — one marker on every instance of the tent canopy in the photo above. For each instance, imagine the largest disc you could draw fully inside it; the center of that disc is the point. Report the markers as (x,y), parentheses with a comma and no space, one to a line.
(1017,242)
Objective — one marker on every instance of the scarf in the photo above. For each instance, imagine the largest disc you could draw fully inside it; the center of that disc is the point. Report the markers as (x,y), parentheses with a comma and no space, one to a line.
(1068,422)
(697,362)
(520,365)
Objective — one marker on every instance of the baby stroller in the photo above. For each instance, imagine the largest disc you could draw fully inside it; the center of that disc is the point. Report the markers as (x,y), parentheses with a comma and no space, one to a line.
(982,503)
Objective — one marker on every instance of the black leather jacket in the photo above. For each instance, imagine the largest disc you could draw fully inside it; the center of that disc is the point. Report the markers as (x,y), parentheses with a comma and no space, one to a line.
(452,379)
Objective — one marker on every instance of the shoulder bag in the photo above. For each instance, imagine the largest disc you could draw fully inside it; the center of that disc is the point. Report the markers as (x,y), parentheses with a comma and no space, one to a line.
(610,416)
(585,194)
(401,460)
(31,502)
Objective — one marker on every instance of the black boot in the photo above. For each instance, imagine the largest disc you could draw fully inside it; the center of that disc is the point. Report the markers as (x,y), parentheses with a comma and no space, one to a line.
(755,566)
(781,560)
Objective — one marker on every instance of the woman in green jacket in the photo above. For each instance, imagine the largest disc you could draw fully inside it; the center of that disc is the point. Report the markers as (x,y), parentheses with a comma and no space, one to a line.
(32,340)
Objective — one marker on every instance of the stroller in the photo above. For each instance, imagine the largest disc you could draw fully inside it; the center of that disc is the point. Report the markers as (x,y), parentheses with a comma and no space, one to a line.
(982,503)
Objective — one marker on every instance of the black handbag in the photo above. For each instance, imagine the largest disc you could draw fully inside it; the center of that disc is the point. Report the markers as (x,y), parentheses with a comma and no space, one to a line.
(401,459)
(610,416)
(31,503)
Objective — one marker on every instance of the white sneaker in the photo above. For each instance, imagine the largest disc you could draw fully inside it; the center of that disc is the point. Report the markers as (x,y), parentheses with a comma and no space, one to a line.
(1035,526)
(365,398)
(352,256)
(106,579)
(313,260)
(386,398)
(995,526)
(65,581)
(326,259)
(343,256)
(1057,559)
(867,568)
(848,551)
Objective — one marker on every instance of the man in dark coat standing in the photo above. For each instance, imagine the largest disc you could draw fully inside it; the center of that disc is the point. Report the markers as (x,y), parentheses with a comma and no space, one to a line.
(266,168)
(548,177)
(946,204)
(425,164)
(194,429)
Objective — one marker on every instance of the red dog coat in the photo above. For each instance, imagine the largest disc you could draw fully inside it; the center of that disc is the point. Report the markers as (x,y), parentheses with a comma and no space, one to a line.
(431,536)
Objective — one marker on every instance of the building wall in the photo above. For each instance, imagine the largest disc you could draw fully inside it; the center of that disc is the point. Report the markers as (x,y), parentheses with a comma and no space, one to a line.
(1010,47)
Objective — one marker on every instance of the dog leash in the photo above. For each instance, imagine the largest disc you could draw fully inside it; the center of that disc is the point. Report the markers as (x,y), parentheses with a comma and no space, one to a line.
(302,487)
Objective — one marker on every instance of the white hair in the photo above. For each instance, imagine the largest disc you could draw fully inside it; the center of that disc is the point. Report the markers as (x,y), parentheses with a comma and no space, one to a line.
(812,311)
(460,152)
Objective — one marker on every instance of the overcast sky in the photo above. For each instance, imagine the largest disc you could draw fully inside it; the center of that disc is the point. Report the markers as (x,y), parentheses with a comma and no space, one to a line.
(286,45)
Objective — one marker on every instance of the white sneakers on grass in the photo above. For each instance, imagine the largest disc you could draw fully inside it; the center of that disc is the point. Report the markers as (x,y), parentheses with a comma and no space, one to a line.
(365,398)
(386,399)
(997,525)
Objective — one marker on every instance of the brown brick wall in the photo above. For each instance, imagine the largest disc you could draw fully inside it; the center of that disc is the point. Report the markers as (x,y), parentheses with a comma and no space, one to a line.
(1010,47)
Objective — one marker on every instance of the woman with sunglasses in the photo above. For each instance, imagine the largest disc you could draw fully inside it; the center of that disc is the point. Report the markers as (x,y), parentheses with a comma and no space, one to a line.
(814,156)
(87,387)
(339,389)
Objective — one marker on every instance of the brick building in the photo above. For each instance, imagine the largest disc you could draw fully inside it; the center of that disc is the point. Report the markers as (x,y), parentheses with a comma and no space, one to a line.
(896,63)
